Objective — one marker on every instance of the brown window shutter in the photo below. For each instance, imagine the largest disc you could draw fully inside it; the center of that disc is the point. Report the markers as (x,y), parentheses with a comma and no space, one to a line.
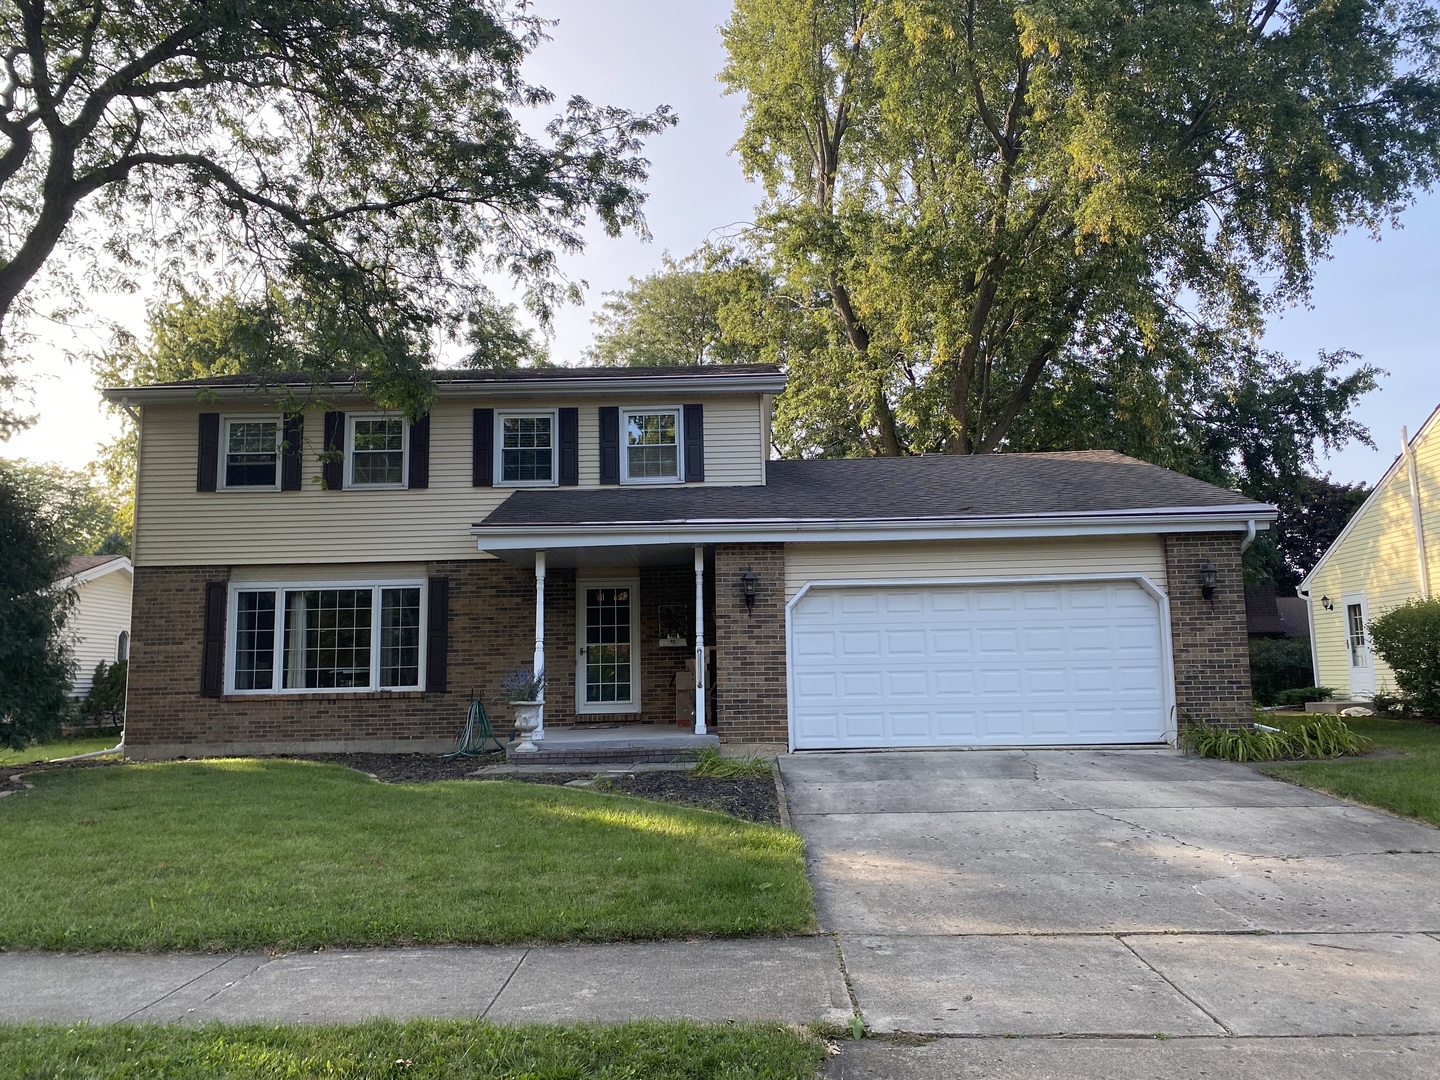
(610,444)
(332,473)
(694,425)
(212,673)
(420,453)
(482,453)
(437,635)
(207,467)
(292,455)
(569,447)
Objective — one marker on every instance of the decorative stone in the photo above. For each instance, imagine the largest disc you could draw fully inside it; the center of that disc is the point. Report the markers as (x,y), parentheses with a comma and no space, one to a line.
(1357,710)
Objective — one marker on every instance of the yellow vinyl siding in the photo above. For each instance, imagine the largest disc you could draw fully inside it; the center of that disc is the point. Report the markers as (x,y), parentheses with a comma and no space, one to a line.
(918,561)
(1377,557)
(176,525)
(102,610)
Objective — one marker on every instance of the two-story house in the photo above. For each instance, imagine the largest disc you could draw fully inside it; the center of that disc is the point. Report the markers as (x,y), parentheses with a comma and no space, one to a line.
(338,577)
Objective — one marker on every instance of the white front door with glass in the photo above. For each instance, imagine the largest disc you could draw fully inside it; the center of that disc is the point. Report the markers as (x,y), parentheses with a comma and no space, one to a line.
(1357,645)
(607,678)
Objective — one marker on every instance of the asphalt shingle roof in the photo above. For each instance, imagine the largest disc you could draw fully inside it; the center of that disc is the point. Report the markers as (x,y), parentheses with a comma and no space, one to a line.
(450,376)
(78,564)
(871,489)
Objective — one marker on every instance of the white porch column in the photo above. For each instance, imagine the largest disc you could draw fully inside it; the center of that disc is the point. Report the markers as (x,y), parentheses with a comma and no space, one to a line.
(539,732)
(699,639)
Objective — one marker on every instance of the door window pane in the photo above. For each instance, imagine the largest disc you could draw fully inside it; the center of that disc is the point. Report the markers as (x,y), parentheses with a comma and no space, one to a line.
(607,646)
(399,637)
(1359,653)
(327,638)
(251,453)
(652,451)
(527,449)
(255,641)
(378,453)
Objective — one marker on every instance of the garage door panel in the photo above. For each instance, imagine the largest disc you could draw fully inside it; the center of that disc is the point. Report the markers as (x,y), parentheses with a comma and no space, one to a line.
(1048,664)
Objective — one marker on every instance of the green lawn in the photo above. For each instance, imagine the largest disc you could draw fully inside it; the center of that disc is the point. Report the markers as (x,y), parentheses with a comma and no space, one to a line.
(250,853)
(56,748)
(1408,785)
(419,1049)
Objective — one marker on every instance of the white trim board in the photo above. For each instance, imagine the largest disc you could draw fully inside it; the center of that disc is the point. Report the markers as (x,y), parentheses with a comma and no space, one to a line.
(1167,657)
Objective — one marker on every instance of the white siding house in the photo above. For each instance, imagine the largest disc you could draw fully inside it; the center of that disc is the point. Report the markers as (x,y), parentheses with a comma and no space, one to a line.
(99,624)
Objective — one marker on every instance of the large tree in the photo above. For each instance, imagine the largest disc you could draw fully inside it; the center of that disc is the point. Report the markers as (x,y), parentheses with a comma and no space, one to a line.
(367,153)
(90,517)
(1011,212)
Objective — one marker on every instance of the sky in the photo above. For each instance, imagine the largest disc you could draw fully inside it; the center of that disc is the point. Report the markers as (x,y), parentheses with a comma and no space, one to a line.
(1377,299)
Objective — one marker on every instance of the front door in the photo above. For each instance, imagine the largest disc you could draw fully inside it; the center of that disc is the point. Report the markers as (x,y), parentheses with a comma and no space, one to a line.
(607,677)
(1357,645)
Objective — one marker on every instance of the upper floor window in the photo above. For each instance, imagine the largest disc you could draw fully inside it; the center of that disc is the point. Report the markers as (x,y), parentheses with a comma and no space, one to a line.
(651,449)
(376,452)
(525,449)
(252,453)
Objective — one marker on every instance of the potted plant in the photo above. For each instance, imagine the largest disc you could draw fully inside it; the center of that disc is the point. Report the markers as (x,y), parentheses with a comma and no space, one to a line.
(525,689)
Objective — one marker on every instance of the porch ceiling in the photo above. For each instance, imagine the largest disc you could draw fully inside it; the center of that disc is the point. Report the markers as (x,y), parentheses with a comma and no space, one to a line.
(620,555)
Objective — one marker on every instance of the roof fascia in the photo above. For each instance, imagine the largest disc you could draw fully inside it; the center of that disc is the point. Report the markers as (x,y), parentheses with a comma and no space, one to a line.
(507,538)
(1425,430)
(747,383)
(122,563)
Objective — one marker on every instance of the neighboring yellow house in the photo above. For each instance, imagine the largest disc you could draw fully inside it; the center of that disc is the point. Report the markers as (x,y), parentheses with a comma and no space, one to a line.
(1387,554)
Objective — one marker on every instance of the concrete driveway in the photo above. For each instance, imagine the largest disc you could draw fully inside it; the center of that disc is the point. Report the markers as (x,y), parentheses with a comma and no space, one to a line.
(1114,894)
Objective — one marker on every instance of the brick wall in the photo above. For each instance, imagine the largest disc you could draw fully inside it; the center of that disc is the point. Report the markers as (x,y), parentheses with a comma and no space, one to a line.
(750,699)
(1208,641)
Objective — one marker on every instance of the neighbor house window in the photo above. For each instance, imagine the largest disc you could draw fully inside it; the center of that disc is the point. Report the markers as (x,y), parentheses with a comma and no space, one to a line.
(526,450)
(324,637)
(651,450)
(122,646)
(376,452)
(252,454)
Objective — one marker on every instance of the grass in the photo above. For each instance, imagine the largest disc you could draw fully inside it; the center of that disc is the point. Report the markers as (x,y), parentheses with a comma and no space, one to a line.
(1408,785)
(712,764)
(57,748)
(434,1050)
(255,853)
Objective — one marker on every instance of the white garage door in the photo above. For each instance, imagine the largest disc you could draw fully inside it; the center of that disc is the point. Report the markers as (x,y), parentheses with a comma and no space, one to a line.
(1054,664)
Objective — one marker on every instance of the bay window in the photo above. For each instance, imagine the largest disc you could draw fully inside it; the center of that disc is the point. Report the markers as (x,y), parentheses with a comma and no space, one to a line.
(348,637)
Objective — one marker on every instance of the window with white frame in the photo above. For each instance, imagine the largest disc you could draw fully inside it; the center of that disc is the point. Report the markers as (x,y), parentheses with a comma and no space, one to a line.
(295,638)
(525,448)
(251,457)
(375,452)
(651,445)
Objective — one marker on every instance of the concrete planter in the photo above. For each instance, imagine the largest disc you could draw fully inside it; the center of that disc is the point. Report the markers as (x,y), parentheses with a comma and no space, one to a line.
(527,719)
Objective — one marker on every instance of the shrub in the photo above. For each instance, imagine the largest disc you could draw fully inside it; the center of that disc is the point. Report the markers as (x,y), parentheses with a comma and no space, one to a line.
(1408,639)
(1278,665)
(104,705)
(1322,737)
(525,684)
(1301,695)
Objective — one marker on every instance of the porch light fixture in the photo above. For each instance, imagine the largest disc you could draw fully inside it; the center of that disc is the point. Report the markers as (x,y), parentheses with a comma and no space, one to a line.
(748,581)
(1327,603)
(1208,574)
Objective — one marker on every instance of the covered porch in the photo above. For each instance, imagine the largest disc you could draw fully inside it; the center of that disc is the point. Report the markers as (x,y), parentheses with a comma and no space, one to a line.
(626,637)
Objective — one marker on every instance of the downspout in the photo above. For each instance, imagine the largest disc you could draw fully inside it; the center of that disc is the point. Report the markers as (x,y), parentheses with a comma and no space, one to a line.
(1416,515)
(119,748)
(1249,535)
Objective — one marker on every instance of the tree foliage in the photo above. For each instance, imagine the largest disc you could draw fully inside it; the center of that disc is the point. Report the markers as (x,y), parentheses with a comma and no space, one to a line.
(366,155)
(34,666)
(89,517)
(1022,217)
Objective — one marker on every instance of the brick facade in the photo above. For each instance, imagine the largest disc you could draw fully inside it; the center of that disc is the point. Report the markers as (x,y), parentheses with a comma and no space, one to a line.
(491,631)
(750,689)
(1208,640)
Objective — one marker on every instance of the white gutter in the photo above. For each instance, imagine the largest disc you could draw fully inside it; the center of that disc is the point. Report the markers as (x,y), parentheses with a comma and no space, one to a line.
(118,748)
(1416,513)
(1249,535)
(608,534)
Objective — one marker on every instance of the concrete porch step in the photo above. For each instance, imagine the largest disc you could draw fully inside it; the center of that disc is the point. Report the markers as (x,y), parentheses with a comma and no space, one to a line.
(627,744)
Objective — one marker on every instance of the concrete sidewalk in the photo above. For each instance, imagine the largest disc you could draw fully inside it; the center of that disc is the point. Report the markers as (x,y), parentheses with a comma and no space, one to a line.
(791,979)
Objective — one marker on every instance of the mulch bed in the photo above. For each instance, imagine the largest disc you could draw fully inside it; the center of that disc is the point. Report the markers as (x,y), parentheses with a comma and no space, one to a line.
(752,799)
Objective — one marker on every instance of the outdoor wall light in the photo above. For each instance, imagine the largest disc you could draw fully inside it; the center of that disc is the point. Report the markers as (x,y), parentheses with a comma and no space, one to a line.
(748,581)
(1327,603)
(1208,574)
